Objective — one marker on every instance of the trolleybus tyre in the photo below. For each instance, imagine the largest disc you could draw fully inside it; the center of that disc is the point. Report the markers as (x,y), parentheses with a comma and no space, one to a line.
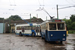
(45,41)
(33,34)
(42,37)
(20,34)
(61,42)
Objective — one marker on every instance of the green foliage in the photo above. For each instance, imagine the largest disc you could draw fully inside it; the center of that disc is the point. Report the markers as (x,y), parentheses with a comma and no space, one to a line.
(71,31)
(73,26)
(72,18)
(34,17)
(64,19)
(15,17)
(1,18)
(70,22)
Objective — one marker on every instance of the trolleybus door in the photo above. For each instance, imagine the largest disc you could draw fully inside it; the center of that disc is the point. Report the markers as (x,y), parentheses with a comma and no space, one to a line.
(38,30)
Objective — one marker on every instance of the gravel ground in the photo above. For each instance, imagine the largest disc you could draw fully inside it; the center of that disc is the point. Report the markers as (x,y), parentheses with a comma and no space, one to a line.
(15,42)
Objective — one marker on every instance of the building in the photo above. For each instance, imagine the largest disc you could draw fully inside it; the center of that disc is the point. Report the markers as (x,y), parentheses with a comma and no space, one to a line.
(2,27)
(9,25)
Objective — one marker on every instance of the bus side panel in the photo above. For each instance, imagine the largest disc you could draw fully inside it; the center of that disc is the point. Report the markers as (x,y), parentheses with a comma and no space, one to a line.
(47,36)
(18,31)
(55,36)
(27,32)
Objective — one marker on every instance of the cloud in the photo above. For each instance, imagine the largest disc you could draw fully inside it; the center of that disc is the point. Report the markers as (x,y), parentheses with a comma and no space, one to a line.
(21,7)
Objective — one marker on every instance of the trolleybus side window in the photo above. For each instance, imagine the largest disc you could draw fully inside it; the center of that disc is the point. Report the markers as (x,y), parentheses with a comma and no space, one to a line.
(60,26)
(52,26)
(22,28)
(33,27)
(27,28)
(18,28)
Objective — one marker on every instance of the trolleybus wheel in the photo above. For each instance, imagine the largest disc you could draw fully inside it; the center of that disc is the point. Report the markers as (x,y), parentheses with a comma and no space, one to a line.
(42,37)
(20,34)
(61,42)
(46,40)
(33,34)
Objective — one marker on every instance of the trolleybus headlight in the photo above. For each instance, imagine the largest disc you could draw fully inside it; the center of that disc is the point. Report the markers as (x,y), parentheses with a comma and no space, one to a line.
(51,34)
(63,38)
(63,34)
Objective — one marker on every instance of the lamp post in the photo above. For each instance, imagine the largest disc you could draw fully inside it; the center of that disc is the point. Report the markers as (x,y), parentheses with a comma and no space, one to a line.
(57,11)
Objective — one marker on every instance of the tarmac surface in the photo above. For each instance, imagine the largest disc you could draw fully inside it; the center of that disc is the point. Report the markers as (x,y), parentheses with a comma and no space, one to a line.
(15,42)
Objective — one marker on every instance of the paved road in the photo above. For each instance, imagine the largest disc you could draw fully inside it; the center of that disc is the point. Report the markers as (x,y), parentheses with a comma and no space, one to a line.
(15,42)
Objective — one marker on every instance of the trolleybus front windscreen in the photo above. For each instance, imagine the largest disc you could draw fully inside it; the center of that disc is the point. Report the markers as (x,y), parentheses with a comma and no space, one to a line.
(60,26)
(52,26)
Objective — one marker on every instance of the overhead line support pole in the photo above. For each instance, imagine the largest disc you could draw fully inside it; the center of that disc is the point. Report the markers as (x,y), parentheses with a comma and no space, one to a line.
(57,11)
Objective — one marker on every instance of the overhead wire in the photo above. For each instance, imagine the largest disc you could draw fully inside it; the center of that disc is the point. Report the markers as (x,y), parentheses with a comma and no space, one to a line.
(69,2)
(73,1)
(12,4)
(67,7)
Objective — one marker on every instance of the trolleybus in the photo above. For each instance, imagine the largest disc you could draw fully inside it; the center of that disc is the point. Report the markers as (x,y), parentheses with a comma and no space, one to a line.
(54,30)
(27,29)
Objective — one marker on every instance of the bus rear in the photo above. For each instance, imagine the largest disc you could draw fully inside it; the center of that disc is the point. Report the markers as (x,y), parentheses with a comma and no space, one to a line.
(56,31)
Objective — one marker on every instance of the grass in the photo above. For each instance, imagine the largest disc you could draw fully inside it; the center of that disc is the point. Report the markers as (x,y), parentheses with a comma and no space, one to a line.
(71,31)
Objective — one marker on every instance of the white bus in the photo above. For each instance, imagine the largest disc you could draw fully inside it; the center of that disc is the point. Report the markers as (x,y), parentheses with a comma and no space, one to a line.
(26,29)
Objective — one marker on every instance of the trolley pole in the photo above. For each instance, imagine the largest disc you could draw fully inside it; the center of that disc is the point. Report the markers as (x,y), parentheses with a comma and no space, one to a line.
(57,11)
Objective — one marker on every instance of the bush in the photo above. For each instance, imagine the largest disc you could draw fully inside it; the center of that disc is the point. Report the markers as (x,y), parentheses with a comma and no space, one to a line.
(71,31)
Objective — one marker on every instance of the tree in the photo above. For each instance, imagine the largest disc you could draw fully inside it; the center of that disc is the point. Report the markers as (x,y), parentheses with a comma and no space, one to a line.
(73,26)
(64,19)
(15,17)
(72,18)
(68,23)
(34,17)
(1,18)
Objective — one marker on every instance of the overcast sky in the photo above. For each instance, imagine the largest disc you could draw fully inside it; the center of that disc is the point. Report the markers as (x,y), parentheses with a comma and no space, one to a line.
(24,7)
